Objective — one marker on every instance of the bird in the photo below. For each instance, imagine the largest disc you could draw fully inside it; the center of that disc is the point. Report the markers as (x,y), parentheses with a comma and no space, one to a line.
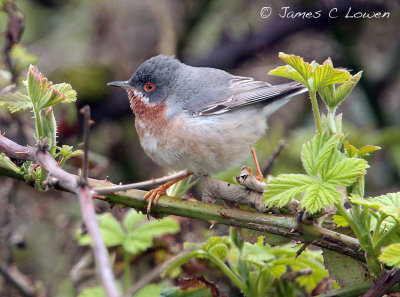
(199,119)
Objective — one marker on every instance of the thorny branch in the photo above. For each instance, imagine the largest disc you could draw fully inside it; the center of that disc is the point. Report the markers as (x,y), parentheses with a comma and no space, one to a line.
(284,226)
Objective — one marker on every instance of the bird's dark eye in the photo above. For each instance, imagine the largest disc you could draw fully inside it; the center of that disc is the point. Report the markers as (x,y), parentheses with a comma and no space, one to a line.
(149,87)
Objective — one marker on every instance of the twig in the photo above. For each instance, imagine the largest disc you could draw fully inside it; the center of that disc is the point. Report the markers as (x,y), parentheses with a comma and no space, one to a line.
(246,179)
(266,169)
(86,136)
(216,189)
(70,183)
(384,284)
(284,226)
(18,280)
(139,185)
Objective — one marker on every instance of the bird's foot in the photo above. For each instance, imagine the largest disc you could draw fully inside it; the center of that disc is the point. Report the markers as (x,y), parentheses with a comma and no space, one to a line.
(259,176)
(154,194)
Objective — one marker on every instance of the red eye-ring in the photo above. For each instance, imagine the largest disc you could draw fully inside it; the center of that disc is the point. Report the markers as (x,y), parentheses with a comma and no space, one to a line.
(149,87)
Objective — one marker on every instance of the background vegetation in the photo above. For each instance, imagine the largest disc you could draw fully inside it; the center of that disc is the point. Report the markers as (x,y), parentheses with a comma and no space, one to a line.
(89,43)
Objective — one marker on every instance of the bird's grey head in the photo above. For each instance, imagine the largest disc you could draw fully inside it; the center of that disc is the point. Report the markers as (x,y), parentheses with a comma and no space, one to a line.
(155,78)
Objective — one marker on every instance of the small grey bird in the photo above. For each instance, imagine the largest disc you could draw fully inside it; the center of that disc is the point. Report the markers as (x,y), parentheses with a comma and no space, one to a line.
(204,120)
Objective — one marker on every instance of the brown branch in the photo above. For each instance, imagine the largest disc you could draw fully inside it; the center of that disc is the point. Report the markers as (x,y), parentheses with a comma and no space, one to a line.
(69,182)
(284,226)
(20,281)
(140,185)
(384,284)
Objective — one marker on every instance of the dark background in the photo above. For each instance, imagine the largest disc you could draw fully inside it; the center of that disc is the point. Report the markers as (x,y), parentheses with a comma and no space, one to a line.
(89,43)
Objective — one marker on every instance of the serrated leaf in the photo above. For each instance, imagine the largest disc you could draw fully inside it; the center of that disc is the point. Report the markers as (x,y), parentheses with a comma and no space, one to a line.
(284,187)
(220,250)
(111,231)
(367,149)
(132,217)
(296,69)
(15,101)
(343,91)
(43,93)
(319,196)
(316,152)
(388,204)
(213,240)
(340,221)
(141,238)
(326,74)
(278,270)
(391,255)
(351,150)
(159,228)
(344,269)
(346,172)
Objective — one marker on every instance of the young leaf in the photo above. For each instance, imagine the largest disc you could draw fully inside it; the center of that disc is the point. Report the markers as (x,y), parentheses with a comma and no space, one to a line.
(351,150)
(388,204)
(391,255)
(366,150)
(43,93)
(345,172)
(340,221)
(49,127)
(325,74)
(296,69)
(15,101)
(317,151)
(111,231)
(343,91)
(6,162)
(319,196)
(220,250)
(284,187)
(159,228)
(132,217)
(96,291)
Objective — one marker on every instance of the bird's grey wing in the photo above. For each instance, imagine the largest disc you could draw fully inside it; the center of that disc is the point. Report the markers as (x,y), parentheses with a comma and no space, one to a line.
(245,91)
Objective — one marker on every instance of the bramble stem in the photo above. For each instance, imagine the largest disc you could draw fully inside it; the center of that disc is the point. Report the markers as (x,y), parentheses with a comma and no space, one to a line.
(315,109)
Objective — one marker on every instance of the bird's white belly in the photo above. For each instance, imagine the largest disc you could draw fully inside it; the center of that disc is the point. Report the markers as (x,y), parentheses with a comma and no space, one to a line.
(206,144)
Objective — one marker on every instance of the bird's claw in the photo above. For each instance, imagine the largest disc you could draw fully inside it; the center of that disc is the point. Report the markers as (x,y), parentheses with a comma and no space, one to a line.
(153,196)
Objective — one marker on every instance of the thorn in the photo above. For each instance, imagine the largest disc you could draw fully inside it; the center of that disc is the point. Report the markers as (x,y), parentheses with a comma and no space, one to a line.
(213,223)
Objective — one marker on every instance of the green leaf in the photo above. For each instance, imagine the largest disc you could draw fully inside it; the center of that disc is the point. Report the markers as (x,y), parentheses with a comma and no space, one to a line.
(235,238)
(96,291)
(111,231)
(15,101)
(67,152)
(343,91)
(200,291)
(325,74)
(49,127)
(220,250)
(296,69)
(43,93)
(316,152)
(391,255)
(132,217)
(159,228)
(366,150)
(284,187)
(6,162)
(388,204)
(152,290)
(340,221)
(320,195)
(141,238)
(344,269)
(351,150)
(346,172)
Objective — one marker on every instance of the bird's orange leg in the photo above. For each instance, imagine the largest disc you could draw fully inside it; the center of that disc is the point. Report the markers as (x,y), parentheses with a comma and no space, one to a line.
(155,194)
(259,176)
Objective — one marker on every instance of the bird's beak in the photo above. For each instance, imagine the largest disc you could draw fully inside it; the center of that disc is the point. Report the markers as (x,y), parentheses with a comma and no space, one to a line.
(121,84)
